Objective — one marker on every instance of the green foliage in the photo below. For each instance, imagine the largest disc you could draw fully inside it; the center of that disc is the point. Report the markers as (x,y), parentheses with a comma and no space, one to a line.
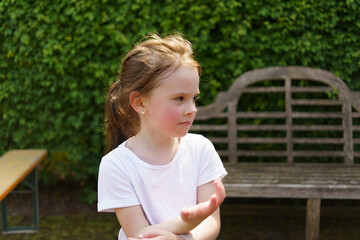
(58,57)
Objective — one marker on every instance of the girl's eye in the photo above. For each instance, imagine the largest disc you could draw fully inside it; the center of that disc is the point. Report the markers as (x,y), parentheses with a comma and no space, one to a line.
(179,99)
(196,98)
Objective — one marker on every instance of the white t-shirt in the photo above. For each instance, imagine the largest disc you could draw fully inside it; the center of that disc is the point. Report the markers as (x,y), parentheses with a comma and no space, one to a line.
(125,180)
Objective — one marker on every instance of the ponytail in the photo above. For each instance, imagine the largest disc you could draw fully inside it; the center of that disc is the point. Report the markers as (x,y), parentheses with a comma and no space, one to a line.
(119,125)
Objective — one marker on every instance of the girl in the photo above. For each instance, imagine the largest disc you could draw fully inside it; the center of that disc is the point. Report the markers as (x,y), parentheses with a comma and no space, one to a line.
(161,181)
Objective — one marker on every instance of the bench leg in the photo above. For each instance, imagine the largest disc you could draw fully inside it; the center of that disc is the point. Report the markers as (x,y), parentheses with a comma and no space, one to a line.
(33,189)
(313,219)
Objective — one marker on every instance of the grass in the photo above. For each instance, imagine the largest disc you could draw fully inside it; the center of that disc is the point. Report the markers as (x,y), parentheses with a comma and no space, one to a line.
(62,217)
(72,227)
(234,226)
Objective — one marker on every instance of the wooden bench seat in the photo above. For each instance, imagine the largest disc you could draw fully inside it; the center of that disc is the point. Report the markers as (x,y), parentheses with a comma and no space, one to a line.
(330,181)
(287,132)
(15,167)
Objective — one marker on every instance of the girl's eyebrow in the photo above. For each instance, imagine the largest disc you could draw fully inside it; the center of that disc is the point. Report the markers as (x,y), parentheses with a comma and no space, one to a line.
(186,93)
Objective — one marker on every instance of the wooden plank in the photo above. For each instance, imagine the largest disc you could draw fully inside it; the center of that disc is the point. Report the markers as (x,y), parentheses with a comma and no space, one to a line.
(208,127)
(336,181)
(318,127)
(312,102)
(300,191)
(356,114)
(287,167)
(248,153)
(318,140)
(317,115)
(276,153)
(312,219)
(315,181)
(308,178)
(348,136)
(282,127)
(264,90)
(15,165)
(232,133)
(261,127)
(249,140)
(323,153)
(306,174)
(273,210)
(289,122)
(261,115)
(311,89)
(356,128)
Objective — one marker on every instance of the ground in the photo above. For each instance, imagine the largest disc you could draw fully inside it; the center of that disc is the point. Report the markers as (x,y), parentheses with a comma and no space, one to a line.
(63,216)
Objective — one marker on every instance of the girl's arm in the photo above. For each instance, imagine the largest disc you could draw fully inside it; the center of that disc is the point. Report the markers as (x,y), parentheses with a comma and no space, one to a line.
(210,196)
(209,228)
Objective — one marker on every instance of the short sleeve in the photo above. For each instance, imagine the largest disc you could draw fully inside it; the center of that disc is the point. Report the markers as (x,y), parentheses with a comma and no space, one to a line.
(210,164)
(115,189)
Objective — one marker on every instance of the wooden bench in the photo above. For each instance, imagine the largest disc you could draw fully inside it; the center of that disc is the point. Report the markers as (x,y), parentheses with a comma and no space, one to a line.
(19,166)
(287,132)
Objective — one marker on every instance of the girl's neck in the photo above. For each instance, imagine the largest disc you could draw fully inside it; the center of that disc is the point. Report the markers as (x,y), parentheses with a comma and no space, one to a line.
(155,150)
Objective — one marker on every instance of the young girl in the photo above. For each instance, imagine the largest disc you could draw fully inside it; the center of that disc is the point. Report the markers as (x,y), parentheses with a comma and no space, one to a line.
(161,181)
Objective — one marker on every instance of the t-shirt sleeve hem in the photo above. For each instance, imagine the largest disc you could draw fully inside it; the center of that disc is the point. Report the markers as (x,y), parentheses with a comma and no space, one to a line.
(109,206)
(220,173)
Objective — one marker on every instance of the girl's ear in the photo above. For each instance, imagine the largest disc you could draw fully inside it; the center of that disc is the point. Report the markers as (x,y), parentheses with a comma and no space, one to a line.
(137,102)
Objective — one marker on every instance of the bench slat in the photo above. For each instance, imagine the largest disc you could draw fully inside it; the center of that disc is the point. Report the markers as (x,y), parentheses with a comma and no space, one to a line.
(296,181)
(316,115)
(312,102)
(248,140)
(317,127)
(208,127)
(264,127)
(15,165)
(264,90)
(311,89)
(248,153)
(356,128)
(281,127)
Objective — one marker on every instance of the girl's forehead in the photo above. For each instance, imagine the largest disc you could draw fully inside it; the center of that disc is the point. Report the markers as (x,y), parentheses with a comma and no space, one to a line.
(182,77)
(186,73)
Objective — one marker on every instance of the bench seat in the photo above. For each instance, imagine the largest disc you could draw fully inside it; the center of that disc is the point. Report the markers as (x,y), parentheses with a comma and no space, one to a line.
(19,166)
(281,180)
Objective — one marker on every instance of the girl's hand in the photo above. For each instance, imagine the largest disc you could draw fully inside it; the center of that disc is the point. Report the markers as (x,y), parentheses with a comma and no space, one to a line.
(157,234)
(205,209)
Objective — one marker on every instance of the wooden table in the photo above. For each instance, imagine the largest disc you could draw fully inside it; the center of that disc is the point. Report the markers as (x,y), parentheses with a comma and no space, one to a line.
(18,166)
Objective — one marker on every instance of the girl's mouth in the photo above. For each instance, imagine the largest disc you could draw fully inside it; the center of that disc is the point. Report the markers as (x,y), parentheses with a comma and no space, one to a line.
(187,123)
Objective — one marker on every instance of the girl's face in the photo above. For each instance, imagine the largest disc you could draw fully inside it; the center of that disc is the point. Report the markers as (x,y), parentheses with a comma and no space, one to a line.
(170,108)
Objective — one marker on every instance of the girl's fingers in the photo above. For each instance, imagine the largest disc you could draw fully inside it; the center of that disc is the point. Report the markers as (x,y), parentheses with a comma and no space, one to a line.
(205,208)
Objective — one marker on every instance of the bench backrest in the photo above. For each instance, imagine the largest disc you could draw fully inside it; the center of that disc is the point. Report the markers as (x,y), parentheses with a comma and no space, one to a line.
(284,114)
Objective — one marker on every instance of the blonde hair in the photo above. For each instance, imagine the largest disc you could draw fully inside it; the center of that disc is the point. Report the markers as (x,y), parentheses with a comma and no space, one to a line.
(140,70)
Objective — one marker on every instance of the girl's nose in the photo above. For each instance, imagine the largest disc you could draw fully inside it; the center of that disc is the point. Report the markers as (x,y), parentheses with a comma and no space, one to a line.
(192,109)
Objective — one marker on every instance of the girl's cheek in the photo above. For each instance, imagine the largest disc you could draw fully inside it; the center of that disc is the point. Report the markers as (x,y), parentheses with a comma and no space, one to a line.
(172,115)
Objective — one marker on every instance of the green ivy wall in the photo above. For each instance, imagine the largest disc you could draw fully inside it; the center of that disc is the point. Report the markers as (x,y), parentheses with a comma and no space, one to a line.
(57,58)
